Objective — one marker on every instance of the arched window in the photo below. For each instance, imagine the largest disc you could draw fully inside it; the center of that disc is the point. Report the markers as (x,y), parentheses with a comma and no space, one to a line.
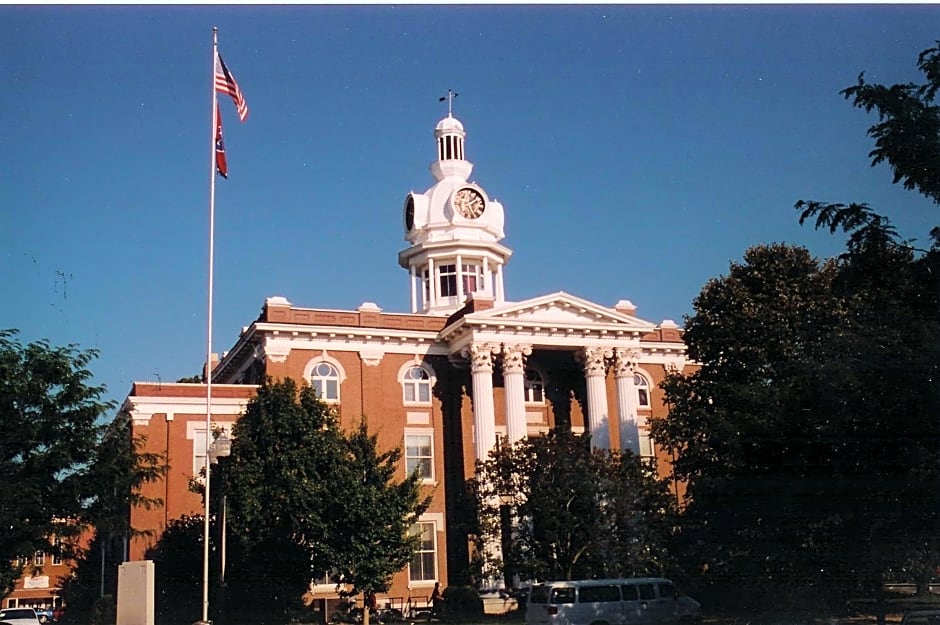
(416,385)
(324,378)
(534,387)
(642,390)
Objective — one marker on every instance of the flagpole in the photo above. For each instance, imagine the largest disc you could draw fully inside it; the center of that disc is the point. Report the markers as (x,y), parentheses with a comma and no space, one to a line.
(205,537)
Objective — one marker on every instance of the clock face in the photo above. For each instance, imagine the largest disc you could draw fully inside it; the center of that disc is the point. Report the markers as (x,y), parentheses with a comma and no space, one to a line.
(409,212)
(469,203)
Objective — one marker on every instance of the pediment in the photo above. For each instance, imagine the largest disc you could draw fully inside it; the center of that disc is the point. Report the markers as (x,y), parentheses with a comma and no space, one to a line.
(558,309)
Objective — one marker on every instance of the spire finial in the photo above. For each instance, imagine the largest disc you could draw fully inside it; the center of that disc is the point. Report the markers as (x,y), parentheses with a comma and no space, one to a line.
(450,101)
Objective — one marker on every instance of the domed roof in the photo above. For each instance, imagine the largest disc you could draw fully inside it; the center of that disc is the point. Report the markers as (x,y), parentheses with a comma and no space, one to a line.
(449,124)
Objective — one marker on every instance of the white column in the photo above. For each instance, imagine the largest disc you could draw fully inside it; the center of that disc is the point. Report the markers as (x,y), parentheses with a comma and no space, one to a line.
(487,286)
(484,425)
(414,290)
(498,295)
(595,369)
(432,285)
(484,416)
(514,381)
(461,296)
(625,362)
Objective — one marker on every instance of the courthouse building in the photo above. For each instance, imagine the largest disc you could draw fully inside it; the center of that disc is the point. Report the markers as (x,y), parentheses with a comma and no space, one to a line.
(466,366)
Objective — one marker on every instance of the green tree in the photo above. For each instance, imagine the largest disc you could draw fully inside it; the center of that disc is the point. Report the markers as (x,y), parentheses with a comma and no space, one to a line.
(177,558)
(561,510)
(369,536)
(746,441)
(907,135)
(806,438)
(120,467)
(69,466)
(279,480)
(307,499)
(895,286)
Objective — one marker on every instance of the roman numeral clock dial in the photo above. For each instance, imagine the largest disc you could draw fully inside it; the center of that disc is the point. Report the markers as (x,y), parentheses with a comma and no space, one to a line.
(469,203)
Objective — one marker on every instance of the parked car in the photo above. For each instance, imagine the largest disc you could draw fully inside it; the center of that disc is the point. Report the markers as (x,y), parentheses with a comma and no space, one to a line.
(19,616)
(633,601)
(922,617)
(45,615)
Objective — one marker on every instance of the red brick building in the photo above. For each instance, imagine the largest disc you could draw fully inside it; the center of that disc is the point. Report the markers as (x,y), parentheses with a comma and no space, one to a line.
(41,585)
(443,381)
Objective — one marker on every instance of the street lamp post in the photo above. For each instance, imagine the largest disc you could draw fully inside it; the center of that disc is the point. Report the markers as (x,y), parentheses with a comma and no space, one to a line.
(221,447)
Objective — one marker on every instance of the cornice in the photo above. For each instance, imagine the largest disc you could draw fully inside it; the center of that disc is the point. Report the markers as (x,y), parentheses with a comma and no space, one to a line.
(369,347)
(141,408)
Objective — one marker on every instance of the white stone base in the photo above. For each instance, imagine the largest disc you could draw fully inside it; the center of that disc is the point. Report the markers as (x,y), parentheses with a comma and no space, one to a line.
(494,604)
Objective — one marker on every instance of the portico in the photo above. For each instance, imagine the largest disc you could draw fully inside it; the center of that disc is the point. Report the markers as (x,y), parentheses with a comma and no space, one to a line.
(603,342)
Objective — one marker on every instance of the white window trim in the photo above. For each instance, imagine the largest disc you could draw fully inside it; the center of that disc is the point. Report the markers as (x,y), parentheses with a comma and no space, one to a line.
(411,431)
(57,556)
(405,368)
(324,357)
(649,390)
(525,386)
(437,519)
(194,430)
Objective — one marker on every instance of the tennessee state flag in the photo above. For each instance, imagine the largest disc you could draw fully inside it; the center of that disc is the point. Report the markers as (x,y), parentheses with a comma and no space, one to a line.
(220,165)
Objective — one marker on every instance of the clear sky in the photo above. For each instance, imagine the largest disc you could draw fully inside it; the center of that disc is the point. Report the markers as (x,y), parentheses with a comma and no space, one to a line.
(637,150)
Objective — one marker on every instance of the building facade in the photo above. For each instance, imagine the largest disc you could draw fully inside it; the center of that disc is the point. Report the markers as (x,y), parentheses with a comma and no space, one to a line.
(40,586)
(444,381)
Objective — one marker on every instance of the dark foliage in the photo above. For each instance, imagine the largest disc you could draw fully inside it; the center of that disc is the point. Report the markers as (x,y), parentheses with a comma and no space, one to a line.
(72,470)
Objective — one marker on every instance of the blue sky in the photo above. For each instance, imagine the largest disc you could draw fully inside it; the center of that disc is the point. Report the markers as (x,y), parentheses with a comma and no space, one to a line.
(637,150)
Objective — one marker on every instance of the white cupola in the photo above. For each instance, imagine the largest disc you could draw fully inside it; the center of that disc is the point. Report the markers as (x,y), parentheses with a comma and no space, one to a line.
(454,229)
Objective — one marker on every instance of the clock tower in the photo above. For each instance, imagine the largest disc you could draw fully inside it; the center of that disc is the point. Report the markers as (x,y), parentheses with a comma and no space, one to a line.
(454,229)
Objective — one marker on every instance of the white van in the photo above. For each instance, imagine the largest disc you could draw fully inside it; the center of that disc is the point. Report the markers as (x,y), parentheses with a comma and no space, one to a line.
(629,601)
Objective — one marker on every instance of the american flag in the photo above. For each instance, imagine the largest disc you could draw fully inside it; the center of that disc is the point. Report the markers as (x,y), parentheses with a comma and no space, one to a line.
(225,83)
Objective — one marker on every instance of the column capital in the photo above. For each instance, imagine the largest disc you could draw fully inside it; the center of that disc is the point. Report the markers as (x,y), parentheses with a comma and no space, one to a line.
(481,356)
(594,360)
(626,361)
(514,357)
(675,365)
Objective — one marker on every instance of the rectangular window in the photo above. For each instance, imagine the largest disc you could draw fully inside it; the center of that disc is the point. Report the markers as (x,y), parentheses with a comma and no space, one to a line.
(423,567)
(630,592)
(596,594)
(199,452)
(197,434)
(419,455)
(328,578)
(472,278)
(538,594)
(562,595)
(57,554)
(39,558)
(647,591)
(448,280)
(646,445)
(418,392)
(326,389)
(667,590)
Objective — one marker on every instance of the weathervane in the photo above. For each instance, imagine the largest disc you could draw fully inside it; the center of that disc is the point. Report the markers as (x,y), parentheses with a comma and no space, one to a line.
(450,101)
